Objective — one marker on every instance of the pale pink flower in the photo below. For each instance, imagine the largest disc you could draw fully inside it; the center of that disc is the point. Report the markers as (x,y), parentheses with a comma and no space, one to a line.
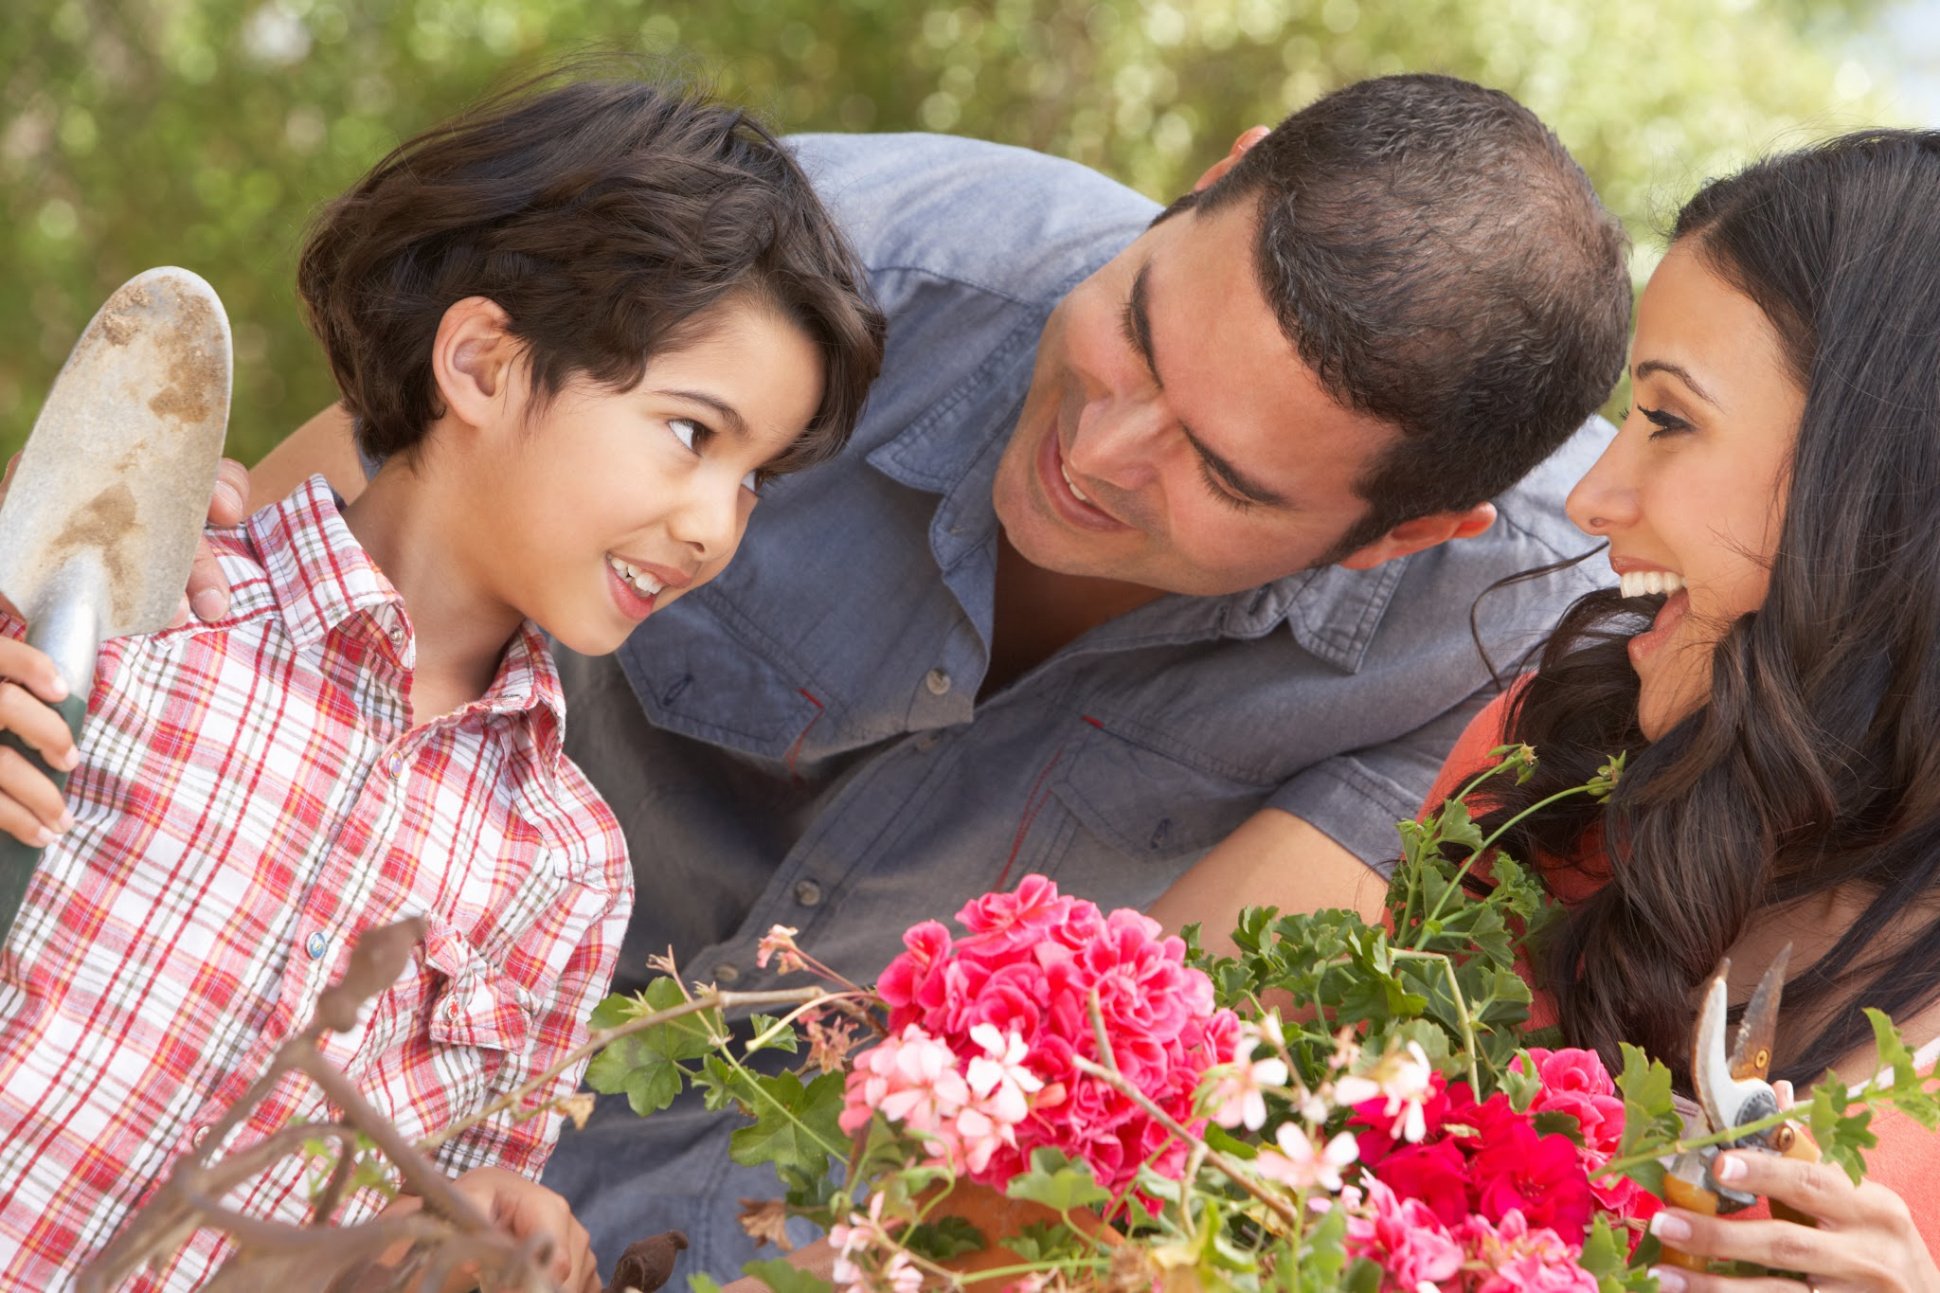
(1405,1078)
(1298,1165)
(780,941)
(851,1239)
(1239,1096)
(900,1275)
(911,1079)
(999,1077)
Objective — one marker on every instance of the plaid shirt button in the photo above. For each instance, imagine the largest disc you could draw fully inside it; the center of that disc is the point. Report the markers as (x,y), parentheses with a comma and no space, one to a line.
(198,1136)
(316,945)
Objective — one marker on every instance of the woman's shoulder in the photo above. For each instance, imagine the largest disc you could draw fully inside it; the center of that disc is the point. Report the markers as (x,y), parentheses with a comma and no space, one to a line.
(1485,732)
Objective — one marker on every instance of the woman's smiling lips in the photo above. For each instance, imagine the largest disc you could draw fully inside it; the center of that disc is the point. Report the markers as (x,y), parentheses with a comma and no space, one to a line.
(1065,500)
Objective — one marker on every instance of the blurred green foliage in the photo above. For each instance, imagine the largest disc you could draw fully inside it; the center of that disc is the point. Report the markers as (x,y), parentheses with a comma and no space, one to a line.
(204,132)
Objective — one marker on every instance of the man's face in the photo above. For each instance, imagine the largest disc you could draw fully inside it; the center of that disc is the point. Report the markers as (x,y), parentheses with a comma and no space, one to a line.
(1172,436)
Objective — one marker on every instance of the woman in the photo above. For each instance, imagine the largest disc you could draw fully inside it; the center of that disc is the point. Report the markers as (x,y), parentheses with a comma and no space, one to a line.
(1772,506)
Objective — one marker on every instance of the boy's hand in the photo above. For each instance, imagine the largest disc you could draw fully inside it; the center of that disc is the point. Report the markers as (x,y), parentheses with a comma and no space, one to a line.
(31,809)
(523,1209)
(207,595)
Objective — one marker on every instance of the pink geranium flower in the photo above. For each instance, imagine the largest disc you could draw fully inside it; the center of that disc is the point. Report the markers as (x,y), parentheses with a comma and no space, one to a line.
(1519,1258)
(1404,1238)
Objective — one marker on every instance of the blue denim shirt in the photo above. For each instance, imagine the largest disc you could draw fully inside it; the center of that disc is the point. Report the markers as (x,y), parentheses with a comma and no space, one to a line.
(813,752)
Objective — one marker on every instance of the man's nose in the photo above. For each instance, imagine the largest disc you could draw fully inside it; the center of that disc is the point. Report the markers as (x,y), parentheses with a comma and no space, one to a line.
(1117,440)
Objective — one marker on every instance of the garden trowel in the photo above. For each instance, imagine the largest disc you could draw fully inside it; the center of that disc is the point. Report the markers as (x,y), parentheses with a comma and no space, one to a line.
(100,524)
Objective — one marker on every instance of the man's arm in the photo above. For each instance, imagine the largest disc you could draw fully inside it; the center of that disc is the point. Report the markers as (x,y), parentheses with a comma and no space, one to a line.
(323,444)
(1273,860)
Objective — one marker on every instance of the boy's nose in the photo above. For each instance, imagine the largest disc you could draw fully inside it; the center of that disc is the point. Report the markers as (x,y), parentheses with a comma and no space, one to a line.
(709,520)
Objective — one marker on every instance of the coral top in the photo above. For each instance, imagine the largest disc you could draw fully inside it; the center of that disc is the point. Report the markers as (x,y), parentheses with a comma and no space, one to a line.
(1907,1158)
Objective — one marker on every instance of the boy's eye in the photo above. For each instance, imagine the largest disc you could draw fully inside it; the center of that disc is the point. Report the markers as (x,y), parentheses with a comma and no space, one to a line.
(685,431)
(752,482)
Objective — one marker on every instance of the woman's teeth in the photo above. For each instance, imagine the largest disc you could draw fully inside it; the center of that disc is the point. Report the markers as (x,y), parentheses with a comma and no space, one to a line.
(1642,583)
(644,584)
(1072,485)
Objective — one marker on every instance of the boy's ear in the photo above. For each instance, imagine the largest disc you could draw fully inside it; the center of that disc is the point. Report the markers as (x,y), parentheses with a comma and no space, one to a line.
(1423,532)
(474,361)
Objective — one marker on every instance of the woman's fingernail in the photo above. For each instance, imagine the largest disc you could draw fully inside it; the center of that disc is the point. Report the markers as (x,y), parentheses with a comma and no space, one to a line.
(1667,1226)
(228,497)
(210,604)
(43,837)
(56,687)
(1668,1280)
(66,823)
(1729,1167)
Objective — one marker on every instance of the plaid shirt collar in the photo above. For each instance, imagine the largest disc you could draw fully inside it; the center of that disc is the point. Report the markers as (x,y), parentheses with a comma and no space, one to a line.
(322,580)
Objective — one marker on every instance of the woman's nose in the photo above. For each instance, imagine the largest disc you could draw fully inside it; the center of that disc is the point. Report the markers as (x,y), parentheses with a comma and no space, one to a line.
(1604,500)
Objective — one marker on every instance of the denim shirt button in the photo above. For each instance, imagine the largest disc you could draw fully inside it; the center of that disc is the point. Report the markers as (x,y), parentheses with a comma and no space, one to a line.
(808,893)
(937,681)
(727,974)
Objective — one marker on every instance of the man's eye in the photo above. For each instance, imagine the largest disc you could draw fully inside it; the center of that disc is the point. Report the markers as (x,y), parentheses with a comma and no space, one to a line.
(685,431)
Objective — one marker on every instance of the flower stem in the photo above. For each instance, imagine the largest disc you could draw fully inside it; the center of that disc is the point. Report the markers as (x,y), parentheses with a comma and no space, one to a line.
(1461,1007)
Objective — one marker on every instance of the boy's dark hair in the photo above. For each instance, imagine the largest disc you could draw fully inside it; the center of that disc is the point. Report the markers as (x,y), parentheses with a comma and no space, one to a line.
(607,218)
(1443,264)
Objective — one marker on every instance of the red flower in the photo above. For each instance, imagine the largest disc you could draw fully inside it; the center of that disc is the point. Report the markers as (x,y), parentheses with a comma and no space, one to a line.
(1514,1169)
(1435,1174)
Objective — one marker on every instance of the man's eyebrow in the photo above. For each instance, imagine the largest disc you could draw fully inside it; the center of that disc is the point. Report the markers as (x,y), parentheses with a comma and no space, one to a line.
(1682,374)
(728,414)
(1138,331)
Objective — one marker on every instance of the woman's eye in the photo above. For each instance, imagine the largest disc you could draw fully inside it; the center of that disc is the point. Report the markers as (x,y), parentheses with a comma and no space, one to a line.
(1666,423)
(685,431)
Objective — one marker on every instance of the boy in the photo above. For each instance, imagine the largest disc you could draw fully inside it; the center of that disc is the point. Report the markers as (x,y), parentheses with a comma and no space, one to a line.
(579,330)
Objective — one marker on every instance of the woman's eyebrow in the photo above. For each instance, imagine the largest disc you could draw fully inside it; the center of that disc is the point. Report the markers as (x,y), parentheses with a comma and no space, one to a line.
(729,415)
(1682,374)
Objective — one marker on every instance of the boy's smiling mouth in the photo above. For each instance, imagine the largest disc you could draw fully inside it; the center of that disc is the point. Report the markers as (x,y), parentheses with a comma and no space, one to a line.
(639,580)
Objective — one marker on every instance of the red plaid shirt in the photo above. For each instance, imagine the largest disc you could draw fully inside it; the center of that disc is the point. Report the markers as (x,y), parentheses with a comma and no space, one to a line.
(253,793)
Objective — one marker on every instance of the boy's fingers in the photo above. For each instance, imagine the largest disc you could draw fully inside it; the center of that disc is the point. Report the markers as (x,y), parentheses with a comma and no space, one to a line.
(30,808)
(33,669)
(42,729)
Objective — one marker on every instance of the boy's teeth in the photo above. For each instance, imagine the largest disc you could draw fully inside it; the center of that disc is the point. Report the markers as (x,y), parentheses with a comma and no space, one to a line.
(1072,485)
(1643,583)
(644,584)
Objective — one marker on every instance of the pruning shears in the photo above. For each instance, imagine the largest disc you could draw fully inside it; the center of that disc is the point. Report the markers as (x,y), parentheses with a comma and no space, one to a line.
(1732,1090)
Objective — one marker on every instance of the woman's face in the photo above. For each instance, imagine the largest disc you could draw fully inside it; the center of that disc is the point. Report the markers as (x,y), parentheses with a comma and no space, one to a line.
(1691,493)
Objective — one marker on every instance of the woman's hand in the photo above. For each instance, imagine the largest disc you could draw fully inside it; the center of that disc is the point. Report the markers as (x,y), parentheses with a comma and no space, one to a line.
(1865,1241)
(31,809)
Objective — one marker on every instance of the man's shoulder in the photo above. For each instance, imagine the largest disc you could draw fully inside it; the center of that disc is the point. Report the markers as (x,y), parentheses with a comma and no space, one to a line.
(1532,515)
(1006,220)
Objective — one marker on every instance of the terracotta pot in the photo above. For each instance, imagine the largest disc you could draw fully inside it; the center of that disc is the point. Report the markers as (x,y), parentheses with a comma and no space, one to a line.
(998,1216)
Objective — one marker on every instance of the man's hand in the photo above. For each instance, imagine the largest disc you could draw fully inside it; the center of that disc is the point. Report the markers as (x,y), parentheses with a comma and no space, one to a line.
(208,592)
(523,1209)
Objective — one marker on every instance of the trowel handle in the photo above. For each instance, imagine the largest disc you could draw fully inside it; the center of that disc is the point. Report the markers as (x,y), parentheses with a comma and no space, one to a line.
(17,860)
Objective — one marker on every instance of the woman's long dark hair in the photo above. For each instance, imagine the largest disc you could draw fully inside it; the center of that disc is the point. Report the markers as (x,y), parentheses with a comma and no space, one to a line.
(1815,764)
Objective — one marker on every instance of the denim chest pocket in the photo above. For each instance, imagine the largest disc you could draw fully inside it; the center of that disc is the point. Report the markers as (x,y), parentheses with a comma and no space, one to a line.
(700,680)
(1148,805)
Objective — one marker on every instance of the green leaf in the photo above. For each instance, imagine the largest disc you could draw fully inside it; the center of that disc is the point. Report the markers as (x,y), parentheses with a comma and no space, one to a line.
(1058,1183)
(770,1034)
(1047,1241)
(1554,1122)
(795,1126)
(778,1275)
(1650,1120)
(698,1283)
(944,1238)
(1843,1137)
(646,1065)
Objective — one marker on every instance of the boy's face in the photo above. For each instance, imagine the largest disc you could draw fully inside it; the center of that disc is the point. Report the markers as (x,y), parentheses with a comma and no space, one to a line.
(609,505)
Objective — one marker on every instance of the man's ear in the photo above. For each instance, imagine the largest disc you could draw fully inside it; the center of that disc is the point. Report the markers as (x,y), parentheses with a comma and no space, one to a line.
(474,358)
(1226,163)
(1423,532)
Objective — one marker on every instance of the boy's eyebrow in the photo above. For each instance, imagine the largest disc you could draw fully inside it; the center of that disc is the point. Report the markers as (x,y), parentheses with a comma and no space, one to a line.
(1138,330)
(727,412)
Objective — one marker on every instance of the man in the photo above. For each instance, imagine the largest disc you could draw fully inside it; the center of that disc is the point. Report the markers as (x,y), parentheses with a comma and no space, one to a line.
(1141,543)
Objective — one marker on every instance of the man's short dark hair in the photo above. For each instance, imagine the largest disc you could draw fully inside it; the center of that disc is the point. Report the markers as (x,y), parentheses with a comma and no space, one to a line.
(1443,264)
(608,219)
